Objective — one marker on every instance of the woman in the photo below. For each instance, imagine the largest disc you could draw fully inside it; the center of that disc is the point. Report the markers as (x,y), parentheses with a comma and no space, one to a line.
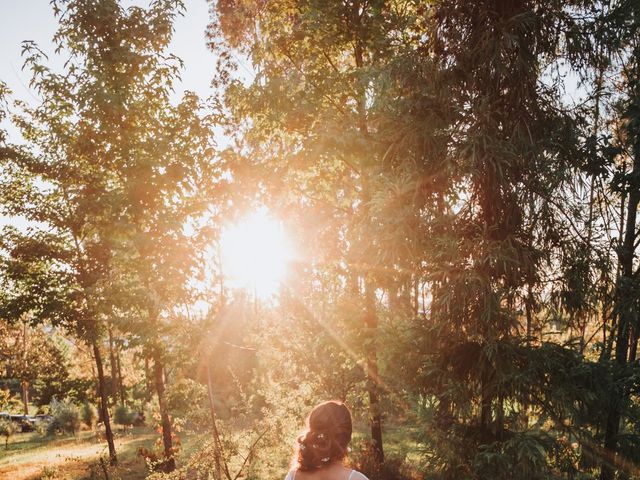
(322,449)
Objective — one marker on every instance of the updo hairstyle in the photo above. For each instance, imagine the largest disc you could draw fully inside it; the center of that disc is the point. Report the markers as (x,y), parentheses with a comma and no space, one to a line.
(327,436)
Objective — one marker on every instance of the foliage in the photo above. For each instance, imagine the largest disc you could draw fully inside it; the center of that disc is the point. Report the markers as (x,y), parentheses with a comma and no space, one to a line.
(187,400)
(39,361)
(66,417)
(123,415)
(56,385)
(7,400)
(89,414)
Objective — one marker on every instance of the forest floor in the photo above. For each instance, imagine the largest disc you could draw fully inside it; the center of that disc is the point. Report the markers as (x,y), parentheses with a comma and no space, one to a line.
(31,456)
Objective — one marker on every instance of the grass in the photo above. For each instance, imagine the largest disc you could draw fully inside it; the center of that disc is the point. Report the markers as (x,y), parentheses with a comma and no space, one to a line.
(32,456)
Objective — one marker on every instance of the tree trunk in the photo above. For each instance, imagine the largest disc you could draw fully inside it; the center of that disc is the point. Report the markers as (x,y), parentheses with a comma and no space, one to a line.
(627,316)
(148,380)
(24,384)
(375,413)
(97,383)
(112,365)
(167,442)
(104,411)
(218,457)
(120,383)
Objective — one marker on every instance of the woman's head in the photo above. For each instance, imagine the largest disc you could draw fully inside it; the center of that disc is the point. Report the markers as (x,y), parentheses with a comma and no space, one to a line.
(327,437)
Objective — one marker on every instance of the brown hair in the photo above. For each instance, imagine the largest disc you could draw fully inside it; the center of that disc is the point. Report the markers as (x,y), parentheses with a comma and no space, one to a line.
(327,436)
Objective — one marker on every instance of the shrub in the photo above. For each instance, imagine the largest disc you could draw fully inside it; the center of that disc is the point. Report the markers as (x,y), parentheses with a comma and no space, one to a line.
(66,417)
(89,414)
(49,473)
(42,428)
(7,429)
(123,415)
(187,402)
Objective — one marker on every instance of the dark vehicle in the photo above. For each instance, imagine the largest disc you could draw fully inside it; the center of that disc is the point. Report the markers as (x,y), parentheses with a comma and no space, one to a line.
(25,422)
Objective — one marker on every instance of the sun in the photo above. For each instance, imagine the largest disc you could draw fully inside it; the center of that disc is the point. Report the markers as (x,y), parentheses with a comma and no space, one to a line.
(255,253)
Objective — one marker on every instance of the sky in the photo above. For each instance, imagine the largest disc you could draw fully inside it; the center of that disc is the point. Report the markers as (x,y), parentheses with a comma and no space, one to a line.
(33,20)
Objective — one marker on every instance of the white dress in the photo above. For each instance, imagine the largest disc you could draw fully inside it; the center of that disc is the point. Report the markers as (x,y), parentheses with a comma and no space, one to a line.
(354,475)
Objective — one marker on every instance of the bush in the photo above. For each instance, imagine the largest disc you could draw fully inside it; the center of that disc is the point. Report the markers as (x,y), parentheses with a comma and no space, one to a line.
(188,403)
(66,417)
(123,415)
(89,414)
(49,473)
(7,429)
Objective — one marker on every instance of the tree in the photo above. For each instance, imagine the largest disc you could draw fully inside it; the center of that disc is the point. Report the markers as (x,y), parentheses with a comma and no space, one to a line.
(622,23)
(33,357)
(105,145)
(163,165)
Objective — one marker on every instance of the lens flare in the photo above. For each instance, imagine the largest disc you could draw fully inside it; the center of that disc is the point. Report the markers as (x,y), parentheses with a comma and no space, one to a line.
(255,253)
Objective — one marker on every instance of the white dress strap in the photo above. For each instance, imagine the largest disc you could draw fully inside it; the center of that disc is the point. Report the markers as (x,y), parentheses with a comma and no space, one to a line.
(356,475)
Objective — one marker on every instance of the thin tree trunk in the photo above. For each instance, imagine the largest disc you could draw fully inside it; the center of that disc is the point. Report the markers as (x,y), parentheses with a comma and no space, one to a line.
(113,367)
(416,295)
(104,403)
(486,399)
(97,383)
(119,368)
(625,308)
(148,380)
(371,322)
(167,442)
(24,384)
(218,457)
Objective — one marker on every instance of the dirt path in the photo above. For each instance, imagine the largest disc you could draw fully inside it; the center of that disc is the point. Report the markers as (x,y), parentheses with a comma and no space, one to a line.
(67,458)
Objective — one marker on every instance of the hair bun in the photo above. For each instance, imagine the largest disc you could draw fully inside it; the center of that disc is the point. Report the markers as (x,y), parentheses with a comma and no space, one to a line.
(327,437)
